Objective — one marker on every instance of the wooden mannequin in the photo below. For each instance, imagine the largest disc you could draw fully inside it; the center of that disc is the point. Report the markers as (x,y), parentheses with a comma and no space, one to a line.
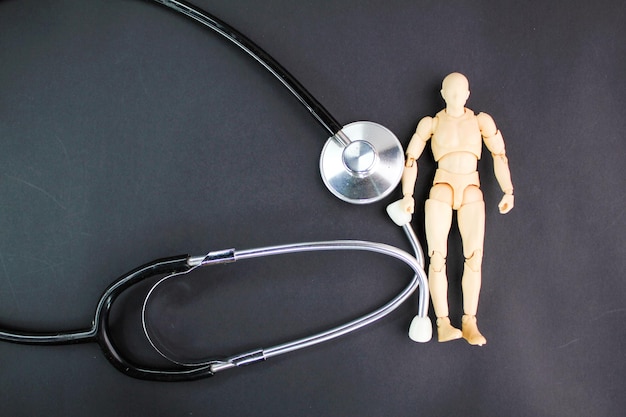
(456,135)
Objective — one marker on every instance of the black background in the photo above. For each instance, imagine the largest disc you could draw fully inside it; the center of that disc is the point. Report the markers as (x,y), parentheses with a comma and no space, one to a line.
(130,133)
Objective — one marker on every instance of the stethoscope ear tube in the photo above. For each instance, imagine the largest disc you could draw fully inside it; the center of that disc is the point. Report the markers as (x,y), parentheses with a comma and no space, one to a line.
(180,265)
(100,331)
(319,112)
(177,264)
(418,281)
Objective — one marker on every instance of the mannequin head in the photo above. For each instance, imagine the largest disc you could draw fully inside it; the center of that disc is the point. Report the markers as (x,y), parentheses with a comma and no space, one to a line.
(455,92)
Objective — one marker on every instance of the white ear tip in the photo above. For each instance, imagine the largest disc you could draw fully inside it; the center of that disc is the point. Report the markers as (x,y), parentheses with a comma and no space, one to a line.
(399,216)
(421,329)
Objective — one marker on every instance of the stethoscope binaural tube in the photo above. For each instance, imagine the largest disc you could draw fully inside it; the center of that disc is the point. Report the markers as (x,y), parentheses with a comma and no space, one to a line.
(332,126)
(419,280)
(361,162)
(179,265)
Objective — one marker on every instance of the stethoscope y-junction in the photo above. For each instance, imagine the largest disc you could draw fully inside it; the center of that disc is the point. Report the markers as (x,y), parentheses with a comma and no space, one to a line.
(361,163)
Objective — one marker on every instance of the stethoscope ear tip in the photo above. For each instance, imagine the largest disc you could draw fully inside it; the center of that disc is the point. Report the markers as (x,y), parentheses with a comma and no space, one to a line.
(421,329)
(398,214)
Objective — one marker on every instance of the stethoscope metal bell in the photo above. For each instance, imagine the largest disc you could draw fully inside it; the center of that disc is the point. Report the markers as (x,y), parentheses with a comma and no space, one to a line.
(363,163)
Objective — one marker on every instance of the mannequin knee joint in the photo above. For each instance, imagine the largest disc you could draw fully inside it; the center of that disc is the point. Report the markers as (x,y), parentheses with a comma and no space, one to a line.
(475,260)
(437,261)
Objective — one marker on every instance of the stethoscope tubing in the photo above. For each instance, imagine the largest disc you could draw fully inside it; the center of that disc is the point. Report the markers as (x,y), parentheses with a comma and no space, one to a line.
(159,266)
(174,266)
(317,110)
(231,255)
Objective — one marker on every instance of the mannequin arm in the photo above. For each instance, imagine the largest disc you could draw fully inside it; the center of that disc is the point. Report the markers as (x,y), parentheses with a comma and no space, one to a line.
(503,175)
(413,152)
(495,143)
(409,176)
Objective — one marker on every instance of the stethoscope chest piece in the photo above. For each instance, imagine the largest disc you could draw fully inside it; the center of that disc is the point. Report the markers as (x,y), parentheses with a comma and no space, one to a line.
(363,163)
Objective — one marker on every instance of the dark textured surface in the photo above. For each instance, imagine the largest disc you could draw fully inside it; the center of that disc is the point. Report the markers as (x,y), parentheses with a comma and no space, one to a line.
(129,133)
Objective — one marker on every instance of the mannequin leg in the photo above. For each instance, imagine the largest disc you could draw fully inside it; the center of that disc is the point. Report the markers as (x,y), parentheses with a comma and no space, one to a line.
(438,215)
(471,220)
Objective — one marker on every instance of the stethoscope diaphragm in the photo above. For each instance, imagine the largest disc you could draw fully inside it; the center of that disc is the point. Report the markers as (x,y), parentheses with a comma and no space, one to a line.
(364,165)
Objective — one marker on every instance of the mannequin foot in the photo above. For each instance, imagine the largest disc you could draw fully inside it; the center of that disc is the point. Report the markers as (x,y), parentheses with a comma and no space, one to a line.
(445,331)
(470,331)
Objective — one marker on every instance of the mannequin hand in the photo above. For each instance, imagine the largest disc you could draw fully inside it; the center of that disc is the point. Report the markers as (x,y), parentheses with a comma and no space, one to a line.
(506,204)
(408,204)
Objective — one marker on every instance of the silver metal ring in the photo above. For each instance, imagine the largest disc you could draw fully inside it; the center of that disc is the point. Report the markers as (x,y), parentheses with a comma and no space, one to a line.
(366,169)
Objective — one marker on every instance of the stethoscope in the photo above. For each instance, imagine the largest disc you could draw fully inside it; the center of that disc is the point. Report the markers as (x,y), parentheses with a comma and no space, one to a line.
(361,163)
